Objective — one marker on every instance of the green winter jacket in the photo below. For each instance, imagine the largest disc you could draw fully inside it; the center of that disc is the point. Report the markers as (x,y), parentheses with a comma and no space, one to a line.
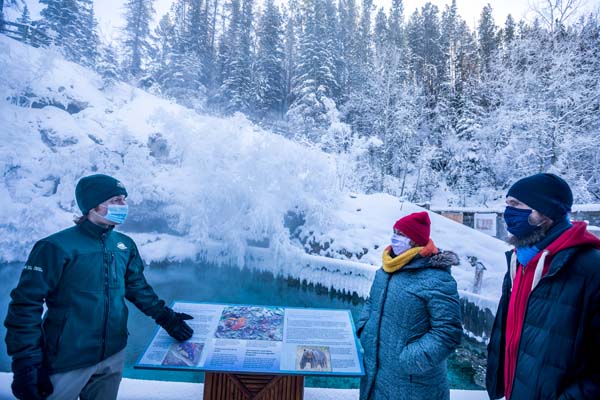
(83,274)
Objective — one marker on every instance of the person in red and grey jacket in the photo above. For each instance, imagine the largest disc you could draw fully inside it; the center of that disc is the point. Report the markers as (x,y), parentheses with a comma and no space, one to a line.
(546,336)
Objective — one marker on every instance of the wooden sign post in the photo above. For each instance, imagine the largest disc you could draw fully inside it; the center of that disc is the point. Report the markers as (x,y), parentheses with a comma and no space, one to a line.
(228,386)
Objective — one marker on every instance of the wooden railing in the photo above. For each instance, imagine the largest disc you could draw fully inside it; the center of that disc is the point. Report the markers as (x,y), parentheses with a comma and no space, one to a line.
(25,33)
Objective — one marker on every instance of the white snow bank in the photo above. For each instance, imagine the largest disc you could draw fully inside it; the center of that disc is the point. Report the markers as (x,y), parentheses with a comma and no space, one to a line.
(366,221)
(134,389)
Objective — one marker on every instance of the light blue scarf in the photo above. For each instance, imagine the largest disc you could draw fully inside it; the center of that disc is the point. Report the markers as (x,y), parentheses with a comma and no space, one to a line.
(526,254)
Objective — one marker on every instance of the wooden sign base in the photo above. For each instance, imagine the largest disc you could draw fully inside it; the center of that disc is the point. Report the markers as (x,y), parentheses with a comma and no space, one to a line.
(229,386)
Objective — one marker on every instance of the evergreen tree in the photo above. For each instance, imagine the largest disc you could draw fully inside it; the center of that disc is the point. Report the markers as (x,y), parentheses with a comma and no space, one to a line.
(423,34)
(177,67)
(195,39)
(163,45)
(270,56)
(431,51)
(87,41)
(361,85)
(314,81)
(72,26)
(509,30)
(107,66)
(396,23)
(235,92)
(364,45)
(331,32)
(381,36)
(138,15)
(450,46)
(398,54)
(488,40)
(346,70)
(291,26)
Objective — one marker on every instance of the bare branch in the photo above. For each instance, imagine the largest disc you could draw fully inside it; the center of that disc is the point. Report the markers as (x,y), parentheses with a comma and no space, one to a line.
(555,13)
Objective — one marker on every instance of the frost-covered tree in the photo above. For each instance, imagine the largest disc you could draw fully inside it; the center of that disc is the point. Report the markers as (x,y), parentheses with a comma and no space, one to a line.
(136,35)
(194,38)
(107,65)
(314,77)
(177,68)
(508,33)
(488,37)
(381,35)
(235,92)
(163,45)
(292,25)
(346,71)
(361,87)
(72,26)
(270,58)
(423,34)
(556,13)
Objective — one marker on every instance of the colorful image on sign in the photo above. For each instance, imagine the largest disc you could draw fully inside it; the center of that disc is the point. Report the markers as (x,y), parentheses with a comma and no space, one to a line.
(251,323)
(186,354)
(313,358)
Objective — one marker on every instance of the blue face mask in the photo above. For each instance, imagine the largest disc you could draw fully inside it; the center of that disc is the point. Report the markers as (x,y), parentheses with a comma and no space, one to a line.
(517,222)
(116,213)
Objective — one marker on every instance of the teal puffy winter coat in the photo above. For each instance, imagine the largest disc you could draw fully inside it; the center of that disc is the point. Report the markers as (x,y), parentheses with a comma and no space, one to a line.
(408,327)
(83,274)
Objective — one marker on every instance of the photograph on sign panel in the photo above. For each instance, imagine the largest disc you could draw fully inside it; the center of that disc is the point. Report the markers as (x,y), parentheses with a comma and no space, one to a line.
(251,323)
(186,354)
(313,358)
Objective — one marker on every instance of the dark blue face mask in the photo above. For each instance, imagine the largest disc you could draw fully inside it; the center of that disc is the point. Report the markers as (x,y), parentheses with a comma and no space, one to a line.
(517,222)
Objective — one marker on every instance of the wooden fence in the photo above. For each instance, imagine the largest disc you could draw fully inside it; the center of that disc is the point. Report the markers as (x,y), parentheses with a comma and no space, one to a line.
(25,33)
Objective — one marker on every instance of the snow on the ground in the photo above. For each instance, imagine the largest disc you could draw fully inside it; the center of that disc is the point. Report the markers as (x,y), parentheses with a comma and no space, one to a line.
(133,389)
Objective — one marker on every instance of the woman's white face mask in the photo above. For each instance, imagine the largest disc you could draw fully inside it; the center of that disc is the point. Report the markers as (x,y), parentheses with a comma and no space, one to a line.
(400,244)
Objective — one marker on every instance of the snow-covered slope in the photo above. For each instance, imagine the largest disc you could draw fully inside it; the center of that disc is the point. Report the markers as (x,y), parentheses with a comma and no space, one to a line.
(199,186)
(203,177)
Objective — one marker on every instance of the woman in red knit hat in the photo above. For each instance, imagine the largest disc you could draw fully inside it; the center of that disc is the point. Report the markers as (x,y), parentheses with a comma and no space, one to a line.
(410,323)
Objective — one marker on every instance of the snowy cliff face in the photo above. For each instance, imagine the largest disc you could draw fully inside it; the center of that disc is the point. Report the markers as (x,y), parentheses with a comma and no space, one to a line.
(199,186)
(194,176)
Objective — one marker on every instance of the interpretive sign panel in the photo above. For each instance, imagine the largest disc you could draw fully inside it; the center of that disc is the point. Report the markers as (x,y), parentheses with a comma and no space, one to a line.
(260,339)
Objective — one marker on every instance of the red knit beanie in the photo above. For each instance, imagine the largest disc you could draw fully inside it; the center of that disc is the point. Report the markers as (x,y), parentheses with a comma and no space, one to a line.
(416,227)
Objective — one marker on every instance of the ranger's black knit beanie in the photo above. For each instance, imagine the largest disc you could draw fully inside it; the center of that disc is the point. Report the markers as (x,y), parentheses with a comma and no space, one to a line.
(545,193)
(95,189)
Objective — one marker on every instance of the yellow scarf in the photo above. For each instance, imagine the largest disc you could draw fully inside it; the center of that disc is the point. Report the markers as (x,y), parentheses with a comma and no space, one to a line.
(391,265)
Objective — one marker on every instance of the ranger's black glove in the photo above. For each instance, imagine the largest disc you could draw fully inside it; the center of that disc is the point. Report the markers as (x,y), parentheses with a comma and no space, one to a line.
(30,382)
(174,323)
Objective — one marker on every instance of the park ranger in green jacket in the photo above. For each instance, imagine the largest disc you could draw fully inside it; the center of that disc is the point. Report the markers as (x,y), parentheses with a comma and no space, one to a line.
(83,275)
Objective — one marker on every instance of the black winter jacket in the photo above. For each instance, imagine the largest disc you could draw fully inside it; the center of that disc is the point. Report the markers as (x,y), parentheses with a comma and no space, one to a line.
(558,355)
(83,274)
